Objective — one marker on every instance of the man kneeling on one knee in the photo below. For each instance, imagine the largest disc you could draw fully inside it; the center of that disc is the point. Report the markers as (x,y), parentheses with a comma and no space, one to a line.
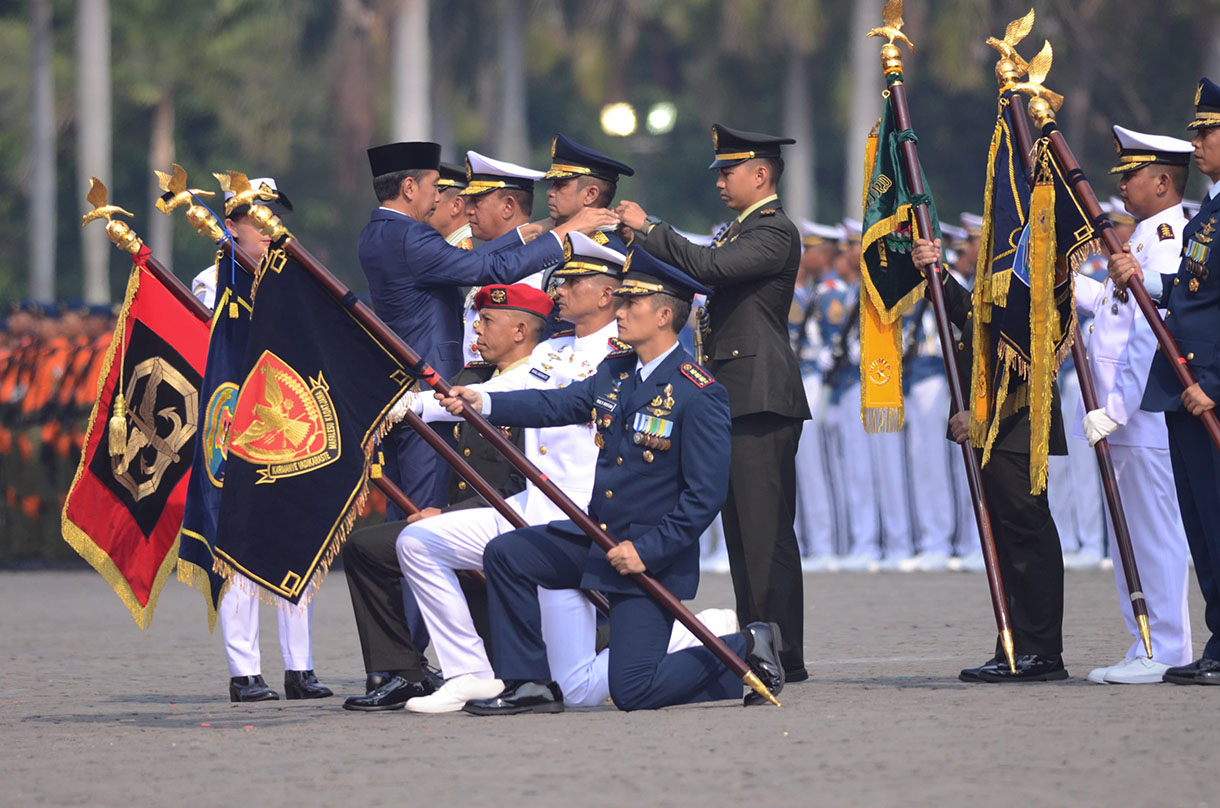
(662,430)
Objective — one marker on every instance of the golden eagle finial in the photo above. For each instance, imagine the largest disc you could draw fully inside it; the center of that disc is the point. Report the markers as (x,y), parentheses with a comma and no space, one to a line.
(1038,68)
(176,192)
(98,197)
(892,15)
(1017,30)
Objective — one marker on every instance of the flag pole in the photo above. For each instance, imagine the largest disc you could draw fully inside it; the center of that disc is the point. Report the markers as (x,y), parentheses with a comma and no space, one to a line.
(891,67)
(1008,74)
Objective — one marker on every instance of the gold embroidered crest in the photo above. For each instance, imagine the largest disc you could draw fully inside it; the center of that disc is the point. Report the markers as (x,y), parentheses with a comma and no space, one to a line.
(499,296)
(601,238)
(283,422)
(165,430)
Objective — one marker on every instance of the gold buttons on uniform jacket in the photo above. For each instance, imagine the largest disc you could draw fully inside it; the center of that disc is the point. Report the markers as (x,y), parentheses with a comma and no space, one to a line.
(602,526)
(619,461)
(462,485)
(1190,356)
(735,352)
(609,494)
(466,452)
(961,346)
(1176,281)
(541,450)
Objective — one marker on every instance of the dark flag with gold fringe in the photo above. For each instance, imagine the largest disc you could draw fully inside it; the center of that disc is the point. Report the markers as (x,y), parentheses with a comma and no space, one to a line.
(891,281)
(1023,301)
(218,396)
(316,388)
(126,502)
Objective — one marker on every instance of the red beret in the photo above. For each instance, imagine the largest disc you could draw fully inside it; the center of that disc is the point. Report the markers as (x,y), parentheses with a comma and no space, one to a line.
(520,296)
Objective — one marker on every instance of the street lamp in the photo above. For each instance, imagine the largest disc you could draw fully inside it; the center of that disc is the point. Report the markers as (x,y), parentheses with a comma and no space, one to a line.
(661,118)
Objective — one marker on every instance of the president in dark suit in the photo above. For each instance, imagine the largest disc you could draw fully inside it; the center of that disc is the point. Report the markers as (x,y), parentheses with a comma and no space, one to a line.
(415,279)
(751,268)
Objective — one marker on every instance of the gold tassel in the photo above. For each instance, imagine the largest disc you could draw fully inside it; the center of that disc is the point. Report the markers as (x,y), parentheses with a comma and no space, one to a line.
(1043,320)
(118,427)
(980,402)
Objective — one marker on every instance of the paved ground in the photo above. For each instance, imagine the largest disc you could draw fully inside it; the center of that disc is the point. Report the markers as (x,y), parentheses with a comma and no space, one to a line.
(94,712)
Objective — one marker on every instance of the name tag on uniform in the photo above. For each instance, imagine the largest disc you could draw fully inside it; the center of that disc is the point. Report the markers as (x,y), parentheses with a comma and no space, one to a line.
(606,404)
(538,374)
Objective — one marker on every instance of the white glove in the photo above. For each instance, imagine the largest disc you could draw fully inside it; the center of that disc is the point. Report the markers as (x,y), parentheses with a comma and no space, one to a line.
(825,360)
(1098,425)
(409,401)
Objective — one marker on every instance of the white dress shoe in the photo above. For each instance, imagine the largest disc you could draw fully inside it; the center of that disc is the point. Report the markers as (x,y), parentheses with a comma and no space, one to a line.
(1137,671)
(932,562)
(453,695)
(972,562)
(824,563)
(1082,561)
(1098,675)
(859,563)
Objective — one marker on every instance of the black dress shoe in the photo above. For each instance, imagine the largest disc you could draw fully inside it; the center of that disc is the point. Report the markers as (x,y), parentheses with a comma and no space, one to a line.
(251,688)
(434,677)
(1201,671)
(1030,668)
(390,696)
(520,696)
(973,674)
(374,680)
(792,675)
(304,685)
(762,655)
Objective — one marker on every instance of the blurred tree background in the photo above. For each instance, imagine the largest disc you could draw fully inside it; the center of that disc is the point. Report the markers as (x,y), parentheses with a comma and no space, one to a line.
(298,89)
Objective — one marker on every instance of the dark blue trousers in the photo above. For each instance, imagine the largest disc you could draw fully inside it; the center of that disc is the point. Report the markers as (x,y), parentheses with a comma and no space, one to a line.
(642,675)
(1196,475)
(416,468)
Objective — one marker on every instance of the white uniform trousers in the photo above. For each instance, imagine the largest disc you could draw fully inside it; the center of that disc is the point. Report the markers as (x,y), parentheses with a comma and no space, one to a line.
(432,550)
(814,509)
(856,492)
(239,628)
(966,531)
(1074,483)
(1145,483)
(890,491)
(927,420)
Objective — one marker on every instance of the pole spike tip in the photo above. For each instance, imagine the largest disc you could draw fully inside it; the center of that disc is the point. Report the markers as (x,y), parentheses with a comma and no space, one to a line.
(1006,641)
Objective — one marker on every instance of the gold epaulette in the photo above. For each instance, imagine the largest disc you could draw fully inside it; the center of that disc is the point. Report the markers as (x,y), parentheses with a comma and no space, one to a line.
(619,348)
(478,363)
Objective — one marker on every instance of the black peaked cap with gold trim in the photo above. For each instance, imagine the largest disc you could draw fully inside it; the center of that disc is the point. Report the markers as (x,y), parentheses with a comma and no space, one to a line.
(732,146)
(1137,149)
(413,155)
(584,256)
(452,176)
(1207,105)
(570,159)
(645,274)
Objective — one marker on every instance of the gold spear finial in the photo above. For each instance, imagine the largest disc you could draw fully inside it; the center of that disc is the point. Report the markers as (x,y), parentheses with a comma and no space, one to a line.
(119,232)
(1011,66)
(891,57)
(199,217)
(1145,632)
(264,219)
(1043,103)
(758,687)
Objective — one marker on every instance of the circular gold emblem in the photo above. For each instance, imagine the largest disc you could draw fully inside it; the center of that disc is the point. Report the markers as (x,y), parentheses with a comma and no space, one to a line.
(879,371)
(499,296)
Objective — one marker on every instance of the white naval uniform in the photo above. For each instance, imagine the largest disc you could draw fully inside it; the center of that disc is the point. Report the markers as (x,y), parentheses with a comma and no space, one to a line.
(239,607)
(928,453)
(431,550)
(1120,354)
(815,518)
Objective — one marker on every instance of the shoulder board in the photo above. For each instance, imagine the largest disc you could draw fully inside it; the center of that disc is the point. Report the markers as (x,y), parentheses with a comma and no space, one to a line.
(600,237)
(767,212)
(567,332)
(1164,231)
(696,374)
(478,363)
(618,347)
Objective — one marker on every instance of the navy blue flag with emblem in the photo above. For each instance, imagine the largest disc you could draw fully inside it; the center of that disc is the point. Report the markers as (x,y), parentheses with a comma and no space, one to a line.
(315,392)
(217,397)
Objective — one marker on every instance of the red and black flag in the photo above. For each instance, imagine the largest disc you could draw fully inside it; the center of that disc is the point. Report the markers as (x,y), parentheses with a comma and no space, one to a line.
(313,400)
(125,505)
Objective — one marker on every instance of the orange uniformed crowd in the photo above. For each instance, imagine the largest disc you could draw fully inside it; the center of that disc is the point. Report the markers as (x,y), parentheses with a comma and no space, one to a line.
(50,359)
